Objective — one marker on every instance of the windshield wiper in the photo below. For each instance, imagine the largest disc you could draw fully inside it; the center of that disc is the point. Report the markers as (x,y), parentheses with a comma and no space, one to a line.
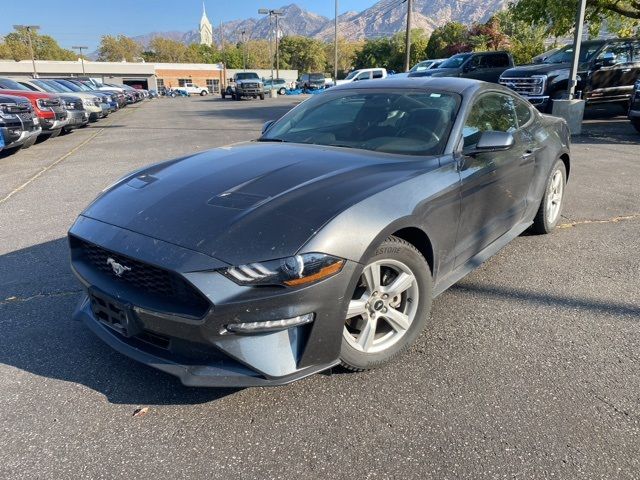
(271,140)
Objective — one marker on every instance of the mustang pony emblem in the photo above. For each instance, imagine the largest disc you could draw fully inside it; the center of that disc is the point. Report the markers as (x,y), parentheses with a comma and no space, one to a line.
(118,268)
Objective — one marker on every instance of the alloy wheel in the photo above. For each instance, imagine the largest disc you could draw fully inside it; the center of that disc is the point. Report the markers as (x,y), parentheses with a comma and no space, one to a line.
(383,306)
(554,198)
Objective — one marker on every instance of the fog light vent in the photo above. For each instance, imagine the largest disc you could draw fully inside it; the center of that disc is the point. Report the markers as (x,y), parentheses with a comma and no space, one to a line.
(269,325)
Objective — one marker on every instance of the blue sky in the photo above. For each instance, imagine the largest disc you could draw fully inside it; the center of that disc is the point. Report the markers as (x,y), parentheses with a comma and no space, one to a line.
(82,22)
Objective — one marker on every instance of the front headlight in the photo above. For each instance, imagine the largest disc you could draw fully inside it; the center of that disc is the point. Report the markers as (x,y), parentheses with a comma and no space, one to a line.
(294,271)
(44,104)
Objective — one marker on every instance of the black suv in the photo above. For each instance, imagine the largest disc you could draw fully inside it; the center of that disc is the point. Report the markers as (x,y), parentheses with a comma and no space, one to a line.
(607,71)
(487,66)
(311,81)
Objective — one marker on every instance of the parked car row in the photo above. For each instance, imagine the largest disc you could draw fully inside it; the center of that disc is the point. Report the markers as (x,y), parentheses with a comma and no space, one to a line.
(46,107)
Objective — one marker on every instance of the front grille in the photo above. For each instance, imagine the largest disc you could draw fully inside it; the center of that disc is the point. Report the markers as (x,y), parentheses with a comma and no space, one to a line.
(15,108)
(249,85)
(162,285)
(526,86)
(60,112)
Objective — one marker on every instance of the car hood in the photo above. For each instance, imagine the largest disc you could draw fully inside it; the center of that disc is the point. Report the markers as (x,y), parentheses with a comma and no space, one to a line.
(537,69)
(29,94)
(252,202)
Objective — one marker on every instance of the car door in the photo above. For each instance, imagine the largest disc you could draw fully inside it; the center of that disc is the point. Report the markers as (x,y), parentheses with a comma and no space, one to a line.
(472,68)
(493,184)
(613,61)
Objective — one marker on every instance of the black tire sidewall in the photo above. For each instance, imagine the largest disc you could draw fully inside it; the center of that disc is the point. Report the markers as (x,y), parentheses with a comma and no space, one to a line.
(541,223)
(396,249)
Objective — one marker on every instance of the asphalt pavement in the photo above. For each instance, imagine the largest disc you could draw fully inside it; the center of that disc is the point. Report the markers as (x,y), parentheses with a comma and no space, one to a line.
(529,367)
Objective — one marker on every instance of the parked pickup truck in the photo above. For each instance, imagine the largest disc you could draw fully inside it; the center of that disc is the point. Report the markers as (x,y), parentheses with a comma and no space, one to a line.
(244,84)
(19,126)
(606,73)
(193,89)
(486,66)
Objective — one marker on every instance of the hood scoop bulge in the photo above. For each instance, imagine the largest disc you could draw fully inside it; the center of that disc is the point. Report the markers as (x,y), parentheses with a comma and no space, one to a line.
(236,200)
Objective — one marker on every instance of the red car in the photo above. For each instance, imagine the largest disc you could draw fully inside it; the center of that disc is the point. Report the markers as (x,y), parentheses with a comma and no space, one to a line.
(48,107)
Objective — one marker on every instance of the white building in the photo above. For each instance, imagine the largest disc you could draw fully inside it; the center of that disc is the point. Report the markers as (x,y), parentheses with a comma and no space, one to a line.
(206,29)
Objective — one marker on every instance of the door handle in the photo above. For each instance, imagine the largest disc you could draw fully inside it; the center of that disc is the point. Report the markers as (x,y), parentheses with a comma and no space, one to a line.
(626,70)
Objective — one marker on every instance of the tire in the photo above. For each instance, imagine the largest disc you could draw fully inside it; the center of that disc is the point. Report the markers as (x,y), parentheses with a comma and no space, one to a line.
(30,142)
(237,97)
(550,210)
(370,306)
(557,95)
(282,91)
(224,95)
(204,93)
(636,124)
(55,133)
(262,96)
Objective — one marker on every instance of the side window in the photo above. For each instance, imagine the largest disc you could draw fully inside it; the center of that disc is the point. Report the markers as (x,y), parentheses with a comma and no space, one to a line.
(523,112)
(616,53)
(497,60)
(635,46)
(364,76)
(490,112)
(474,63)
(377,74)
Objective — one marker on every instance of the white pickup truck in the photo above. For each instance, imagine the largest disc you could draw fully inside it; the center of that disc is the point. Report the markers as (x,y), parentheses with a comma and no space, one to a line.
(193,89)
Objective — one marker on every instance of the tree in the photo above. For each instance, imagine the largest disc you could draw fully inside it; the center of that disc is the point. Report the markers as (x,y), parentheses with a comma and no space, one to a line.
(118,49)
(447,40)
(303,54)
(16,47)
(390,52)
(347,51)
(525,40)
(558,16)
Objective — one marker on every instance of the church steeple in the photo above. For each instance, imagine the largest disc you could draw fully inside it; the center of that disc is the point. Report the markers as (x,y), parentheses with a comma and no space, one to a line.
(206,29)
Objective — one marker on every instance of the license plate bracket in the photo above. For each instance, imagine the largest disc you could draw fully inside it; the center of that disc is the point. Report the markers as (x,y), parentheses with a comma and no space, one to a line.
(115,314)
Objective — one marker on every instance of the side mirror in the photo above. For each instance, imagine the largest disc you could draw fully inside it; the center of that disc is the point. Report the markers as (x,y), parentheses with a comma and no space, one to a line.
(266,125)
(493,142)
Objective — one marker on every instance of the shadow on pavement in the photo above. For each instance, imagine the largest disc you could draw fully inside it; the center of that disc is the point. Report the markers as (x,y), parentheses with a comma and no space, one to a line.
(37,296)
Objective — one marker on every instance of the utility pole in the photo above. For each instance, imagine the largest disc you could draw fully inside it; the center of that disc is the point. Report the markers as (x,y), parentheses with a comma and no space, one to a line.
(577,40)
(81,57)
(224,56)
(273,13)
(244,50)
(29,28)
(277,47)
(335,46)
(407,59)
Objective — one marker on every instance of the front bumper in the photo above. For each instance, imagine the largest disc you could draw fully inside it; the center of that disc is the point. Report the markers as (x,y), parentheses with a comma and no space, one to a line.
(48,125)
(15,136)
(198,349)
(77,118)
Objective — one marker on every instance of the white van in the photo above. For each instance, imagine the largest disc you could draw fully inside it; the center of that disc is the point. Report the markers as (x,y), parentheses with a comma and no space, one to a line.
(364,74)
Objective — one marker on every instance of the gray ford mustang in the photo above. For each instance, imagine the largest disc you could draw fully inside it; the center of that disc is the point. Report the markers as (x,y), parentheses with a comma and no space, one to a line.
(323,242)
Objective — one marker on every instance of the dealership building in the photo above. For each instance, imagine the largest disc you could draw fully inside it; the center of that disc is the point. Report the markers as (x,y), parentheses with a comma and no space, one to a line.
(140,75)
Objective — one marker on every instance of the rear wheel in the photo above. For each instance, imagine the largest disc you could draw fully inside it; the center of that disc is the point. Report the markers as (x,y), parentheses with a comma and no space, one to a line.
(551,205)
(282,91)
(203,93)
(389,307)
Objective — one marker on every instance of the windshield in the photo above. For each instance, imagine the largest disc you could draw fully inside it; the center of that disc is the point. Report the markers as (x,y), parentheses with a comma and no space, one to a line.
(352,74)
(70,85)
(409,122)
(456,61)
(44,86)
(316,77)
(422,66)
(247,76)
(565,54)
(56,86)
(12,84)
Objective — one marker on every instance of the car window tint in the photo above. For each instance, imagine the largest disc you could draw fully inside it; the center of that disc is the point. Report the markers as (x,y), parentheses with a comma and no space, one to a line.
(490,112)
(523,111)
(364,76)
(377,74)
(620,52)
(496,60)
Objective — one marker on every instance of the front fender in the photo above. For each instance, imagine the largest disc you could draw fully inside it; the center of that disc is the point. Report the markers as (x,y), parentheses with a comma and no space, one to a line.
(429,202)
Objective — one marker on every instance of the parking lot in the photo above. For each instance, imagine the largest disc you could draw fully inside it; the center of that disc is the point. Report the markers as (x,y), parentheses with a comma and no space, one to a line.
(528,367)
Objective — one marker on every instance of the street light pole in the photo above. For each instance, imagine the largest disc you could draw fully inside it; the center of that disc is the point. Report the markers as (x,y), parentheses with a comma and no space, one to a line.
(273,13)
(577,40)
(244,50)
(277,47)
(28,28)
(335,46)
(407,59)
(81,57)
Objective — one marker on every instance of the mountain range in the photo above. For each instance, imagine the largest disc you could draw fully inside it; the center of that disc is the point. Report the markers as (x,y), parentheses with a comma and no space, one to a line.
(383,19)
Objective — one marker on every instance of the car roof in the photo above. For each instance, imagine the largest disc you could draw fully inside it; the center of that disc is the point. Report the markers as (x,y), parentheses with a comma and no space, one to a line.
(447,84)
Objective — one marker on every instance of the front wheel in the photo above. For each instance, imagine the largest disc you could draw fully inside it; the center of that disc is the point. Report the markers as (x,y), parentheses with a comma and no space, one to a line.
(282,91)
(551,205)
(262,96)
(203,93)
(636,124)
(389,307)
